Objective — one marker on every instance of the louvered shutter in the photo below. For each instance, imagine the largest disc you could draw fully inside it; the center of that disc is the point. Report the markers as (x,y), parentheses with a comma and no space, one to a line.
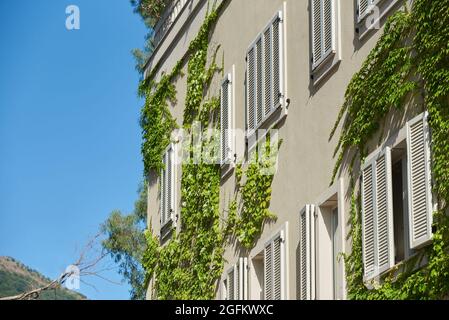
(251,88)
(316,31)
(273,65)
(368,221)
(323,26)
(362,8)
(226,117)
(268,271)
(231,285)
(419,181)
(306,276)
(328,26)
(259,82)
(377,215)
(268,70)
(384,211)
(170,184)
(277,269)
(163,197)
(274,268)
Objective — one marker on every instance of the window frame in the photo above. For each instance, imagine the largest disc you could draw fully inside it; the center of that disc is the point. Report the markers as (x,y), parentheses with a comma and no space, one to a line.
(392,142)
(320,69)
(281,231)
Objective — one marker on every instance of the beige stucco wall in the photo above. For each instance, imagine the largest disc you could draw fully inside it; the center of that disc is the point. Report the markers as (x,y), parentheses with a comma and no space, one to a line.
(306,155)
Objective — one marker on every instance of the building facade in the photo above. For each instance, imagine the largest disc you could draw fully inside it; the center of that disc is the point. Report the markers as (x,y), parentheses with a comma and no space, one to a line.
(287,64)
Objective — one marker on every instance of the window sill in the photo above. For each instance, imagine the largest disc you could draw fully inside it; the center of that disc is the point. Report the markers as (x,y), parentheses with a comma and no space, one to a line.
(166,230)
(420,262)
(324,68)
(226,169)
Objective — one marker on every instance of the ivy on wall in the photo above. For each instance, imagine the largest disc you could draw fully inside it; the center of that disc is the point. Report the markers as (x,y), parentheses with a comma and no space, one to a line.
(190,263)
(253,196)
(411,59)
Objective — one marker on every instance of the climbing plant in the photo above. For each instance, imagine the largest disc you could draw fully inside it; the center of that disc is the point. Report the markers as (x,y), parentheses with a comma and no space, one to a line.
(189,264)
(253,197)
(410,60)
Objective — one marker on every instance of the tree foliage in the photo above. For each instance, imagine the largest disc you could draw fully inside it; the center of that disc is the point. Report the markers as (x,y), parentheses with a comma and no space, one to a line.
(126,243)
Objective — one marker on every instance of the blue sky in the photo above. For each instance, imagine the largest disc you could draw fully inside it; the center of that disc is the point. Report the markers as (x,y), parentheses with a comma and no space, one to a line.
(69,132)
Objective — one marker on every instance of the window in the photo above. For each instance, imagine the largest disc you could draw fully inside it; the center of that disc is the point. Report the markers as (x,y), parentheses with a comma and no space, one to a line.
(168,190)
(268,269)
(324,33)
(227,136)
(274,266)
(323,30)
(236,282)
(320,270)
(264,75)
(396,211)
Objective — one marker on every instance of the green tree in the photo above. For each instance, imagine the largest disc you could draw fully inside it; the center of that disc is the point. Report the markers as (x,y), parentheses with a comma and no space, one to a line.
(150,11)
(125,242)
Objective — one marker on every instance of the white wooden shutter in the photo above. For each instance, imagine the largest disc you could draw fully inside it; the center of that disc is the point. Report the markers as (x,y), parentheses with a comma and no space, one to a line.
(277,269)
(226,120)
(230,295)
(273,42)
(317,47)
(362,8)
(306,272)
(419,181)
(384,208)
(259,82)
(368,221)
(170,183)
(265,66)
(163,197)
(268,272)
(238,279)
(168,186)
(377,215)
(268,70)
(278,61)
(251,88)
(323,30)
(328,26)
(274,268)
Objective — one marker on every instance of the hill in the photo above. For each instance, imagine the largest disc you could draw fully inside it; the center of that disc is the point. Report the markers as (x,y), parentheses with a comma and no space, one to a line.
(16,278)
